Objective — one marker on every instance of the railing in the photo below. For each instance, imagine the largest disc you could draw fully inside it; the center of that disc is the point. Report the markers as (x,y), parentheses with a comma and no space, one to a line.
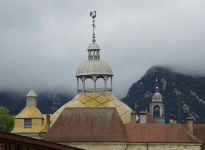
(96,90)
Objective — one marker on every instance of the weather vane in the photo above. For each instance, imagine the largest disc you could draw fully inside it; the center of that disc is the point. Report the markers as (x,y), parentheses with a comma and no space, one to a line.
(93,15)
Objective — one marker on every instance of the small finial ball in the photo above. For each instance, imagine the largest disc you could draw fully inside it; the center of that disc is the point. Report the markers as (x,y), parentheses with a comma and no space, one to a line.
(157,89)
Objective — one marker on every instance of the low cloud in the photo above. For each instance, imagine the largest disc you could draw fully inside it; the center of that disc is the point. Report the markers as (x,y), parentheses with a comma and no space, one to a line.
(47,40)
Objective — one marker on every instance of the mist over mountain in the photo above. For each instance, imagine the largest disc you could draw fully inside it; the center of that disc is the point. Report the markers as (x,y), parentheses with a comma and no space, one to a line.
(47,40)
(183,95)
(47,102)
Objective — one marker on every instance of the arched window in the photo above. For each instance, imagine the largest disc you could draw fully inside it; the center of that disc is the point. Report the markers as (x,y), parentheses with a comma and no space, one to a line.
(156,111)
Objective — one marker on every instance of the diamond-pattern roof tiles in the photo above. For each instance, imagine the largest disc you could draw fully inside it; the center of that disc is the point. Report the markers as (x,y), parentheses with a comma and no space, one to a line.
(96,100)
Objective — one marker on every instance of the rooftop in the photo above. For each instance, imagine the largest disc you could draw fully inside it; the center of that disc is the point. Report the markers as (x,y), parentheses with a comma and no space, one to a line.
(149,119)
(167,133)
(88,124)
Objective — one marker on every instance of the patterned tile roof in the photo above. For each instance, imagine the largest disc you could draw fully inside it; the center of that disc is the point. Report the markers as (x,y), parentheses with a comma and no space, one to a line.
(159,133)
(87,124)
(38,121)
(38,125)
(96,100)
(29,112)
(149,119)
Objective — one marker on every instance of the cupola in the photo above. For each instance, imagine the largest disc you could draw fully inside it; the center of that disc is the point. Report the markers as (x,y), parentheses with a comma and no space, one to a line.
(31,98)
(94,68)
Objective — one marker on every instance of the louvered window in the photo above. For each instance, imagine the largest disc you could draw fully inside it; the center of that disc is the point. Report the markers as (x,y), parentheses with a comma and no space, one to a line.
(27,123)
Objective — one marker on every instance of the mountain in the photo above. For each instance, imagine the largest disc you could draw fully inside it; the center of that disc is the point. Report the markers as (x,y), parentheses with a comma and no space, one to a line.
(183,95)
(47,102)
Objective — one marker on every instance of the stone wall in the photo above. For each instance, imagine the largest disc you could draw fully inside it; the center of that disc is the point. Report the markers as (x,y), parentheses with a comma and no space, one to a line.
(133,146)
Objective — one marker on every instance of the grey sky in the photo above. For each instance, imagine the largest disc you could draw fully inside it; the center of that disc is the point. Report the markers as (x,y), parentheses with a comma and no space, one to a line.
(48,40)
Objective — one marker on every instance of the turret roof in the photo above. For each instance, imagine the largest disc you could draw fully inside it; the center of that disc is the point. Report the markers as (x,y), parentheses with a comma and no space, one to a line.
(29,112)
(31,93)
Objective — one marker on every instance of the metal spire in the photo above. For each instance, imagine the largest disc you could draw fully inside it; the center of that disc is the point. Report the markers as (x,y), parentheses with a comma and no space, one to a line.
(157,86)
(93,15)
(31,82)
(157,82)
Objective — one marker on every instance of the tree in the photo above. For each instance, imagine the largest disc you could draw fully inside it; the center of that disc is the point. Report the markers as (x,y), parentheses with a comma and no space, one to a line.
(6,120)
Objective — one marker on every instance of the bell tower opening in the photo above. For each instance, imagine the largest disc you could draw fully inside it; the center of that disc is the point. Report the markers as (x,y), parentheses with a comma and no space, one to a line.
(156,111)
(157,107)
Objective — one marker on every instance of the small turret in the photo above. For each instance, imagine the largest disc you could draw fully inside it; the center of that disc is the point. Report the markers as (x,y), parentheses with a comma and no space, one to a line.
(157,107)
(31,98)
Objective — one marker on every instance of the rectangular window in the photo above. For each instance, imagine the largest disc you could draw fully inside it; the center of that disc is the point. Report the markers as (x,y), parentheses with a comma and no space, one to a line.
(27,123)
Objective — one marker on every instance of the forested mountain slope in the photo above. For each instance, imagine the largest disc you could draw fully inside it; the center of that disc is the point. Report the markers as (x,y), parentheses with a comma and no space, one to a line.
(183,95)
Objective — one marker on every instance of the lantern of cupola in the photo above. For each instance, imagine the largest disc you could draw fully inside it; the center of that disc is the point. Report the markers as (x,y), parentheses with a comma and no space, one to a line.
(94,68)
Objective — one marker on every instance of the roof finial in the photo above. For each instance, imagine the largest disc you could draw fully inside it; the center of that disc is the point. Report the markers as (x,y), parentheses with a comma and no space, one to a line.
(93,15)
(31,82)
(157,85)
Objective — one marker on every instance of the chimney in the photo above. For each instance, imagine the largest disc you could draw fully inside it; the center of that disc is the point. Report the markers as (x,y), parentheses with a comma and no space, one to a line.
(190,121)
(47,123)
(171,119)
(174,120)
(133,117)
(143,118)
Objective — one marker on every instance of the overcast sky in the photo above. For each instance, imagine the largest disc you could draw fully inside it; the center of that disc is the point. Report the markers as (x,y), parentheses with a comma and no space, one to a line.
(48,39)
